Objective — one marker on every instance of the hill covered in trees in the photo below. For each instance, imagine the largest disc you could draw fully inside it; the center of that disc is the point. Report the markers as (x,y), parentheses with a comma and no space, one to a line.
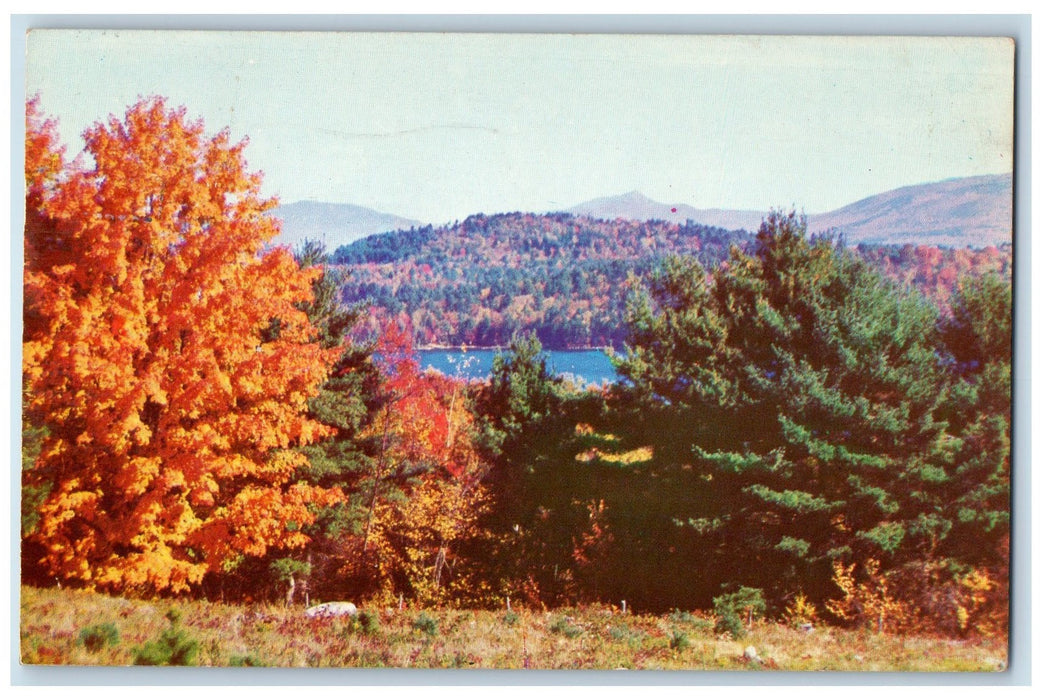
(481,280)
(567,278)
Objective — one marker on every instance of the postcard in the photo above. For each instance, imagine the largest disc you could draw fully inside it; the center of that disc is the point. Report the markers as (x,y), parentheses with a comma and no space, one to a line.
(517,351)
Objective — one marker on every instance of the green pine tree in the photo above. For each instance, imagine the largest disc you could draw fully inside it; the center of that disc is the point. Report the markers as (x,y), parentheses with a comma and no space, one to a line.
(802,393)
(344,403)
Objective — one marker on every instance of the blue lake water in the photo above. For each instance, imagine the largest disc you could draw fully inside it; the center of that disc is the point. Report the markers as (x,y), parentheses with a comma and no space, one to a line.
(582,366)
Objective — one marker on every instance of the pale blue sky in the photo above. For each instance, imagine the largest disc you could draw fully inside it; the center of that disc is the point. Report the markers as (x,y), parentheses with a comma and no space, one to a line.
(436,127)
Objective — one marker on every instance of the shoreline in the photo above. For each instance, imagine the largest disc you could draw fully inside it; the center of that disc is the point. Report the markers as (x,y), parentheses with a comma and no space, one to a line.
(485,348)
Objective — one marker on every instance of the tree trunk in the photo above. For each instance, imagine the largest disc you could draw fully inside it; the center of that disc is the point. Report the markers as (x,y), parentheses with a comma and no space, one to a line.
(291,591)
(377,472)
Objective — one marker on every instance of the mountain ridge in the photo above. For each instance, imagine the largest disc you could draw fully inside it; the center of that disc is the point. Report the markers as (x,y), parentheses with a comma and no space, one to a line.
(333,224)
(974,211)
(637,206)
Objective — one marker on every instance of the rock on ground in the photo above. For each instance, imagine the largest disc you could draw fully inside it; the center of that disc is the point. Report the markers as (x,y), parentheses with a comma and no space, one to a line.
(336,609)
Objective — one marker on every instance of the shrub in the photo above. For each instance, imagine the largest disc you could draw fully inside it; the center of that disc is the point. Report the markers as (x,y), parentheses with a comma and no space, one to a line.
(174,647)
(246,660)
(800,611)
(369,621)
(736,610)
(562,625)
(511,618)
(682,617)
(983,606)
(868,603)
(622,633)
(96,637)
(678,640)
(943,597)
(729,621)
(426,624)
(366,622)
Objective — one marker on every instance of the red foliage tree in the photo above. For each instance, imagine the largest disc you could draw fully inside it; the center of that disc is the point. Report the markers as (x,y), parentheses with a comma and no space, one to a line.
(424,435)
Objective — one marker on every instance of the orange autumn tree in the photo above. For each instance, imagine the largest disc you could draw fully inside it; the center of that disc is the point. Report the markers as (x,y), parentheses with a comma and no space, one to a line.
(164,354)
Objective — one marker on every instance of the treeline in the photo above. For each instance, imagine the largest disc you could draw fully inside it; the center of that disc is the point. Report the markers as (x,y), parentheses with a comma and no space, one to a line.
(794,430)
(566,278)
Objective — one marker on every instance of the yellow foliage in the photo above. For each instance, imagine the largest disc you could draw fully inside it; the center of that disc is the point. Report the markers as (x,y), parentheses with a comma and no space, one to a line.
(869,602)
(980,610)
(411,544)
(800,611)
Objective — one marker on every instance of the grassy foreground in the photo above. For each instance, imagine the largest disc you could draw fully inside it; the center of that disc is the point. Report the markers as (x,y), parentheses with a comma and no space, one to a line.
(79,628)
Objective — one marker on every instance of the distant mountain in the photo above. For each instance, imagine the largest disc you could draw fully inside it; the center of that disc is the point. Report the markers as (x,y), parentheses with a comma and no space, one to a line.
(961,212)
(333,224)
(638,207)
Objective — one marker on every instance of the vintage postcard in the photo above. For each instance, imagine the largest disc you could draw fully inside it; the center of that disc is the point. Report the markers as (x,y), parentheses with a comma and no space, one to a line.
(517,351)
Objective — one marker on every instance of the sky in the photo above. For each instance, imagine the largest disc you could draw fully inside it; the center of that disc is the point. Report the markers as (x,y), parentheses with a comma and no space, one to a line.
(435,127)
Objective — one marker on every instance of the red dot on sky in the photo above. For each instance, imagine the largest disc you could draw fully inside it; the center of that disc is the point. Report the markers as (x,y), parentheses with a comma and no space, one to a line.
(674,210)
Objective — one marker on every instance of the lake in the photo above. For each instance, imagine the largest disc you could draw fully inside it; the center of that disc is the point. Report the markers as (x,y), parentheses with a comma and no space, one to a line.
(583,366)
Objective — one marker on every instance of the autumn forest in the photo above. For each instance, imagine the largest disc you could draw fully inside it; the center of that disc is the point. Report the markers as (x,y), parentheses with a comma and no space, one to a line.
(801,429)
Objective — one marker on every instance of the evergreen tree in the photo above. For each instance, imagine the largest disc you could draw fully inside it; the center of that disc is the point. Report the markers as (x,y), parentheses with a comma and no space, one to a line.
(520,393)
(527,433)
(803,391)
(344,404)
(977,337)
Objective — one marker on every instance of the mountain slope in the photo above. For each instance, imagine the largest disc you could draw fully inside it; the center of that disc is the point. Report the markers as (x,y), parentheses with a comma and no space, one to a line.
(968,211)
(961,212)
(638,207)
(333,224)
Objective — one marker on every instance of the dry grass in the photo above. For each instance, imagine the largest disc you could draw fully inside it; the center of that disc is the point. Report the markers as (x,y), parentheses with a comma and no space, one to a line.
(590,638)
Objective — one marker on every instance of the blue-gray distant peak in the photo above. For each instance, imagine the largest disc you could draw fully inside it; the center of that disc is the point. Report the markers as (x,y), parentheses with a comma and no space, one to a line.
(638,206)
(968,211)
(959,212)
(333,224)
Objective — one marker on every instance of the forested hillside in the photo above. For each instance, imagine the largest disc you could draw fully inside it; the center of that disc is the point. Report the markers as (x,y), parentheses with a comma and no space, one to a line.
(567,278)
(965,211)
(481,280)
